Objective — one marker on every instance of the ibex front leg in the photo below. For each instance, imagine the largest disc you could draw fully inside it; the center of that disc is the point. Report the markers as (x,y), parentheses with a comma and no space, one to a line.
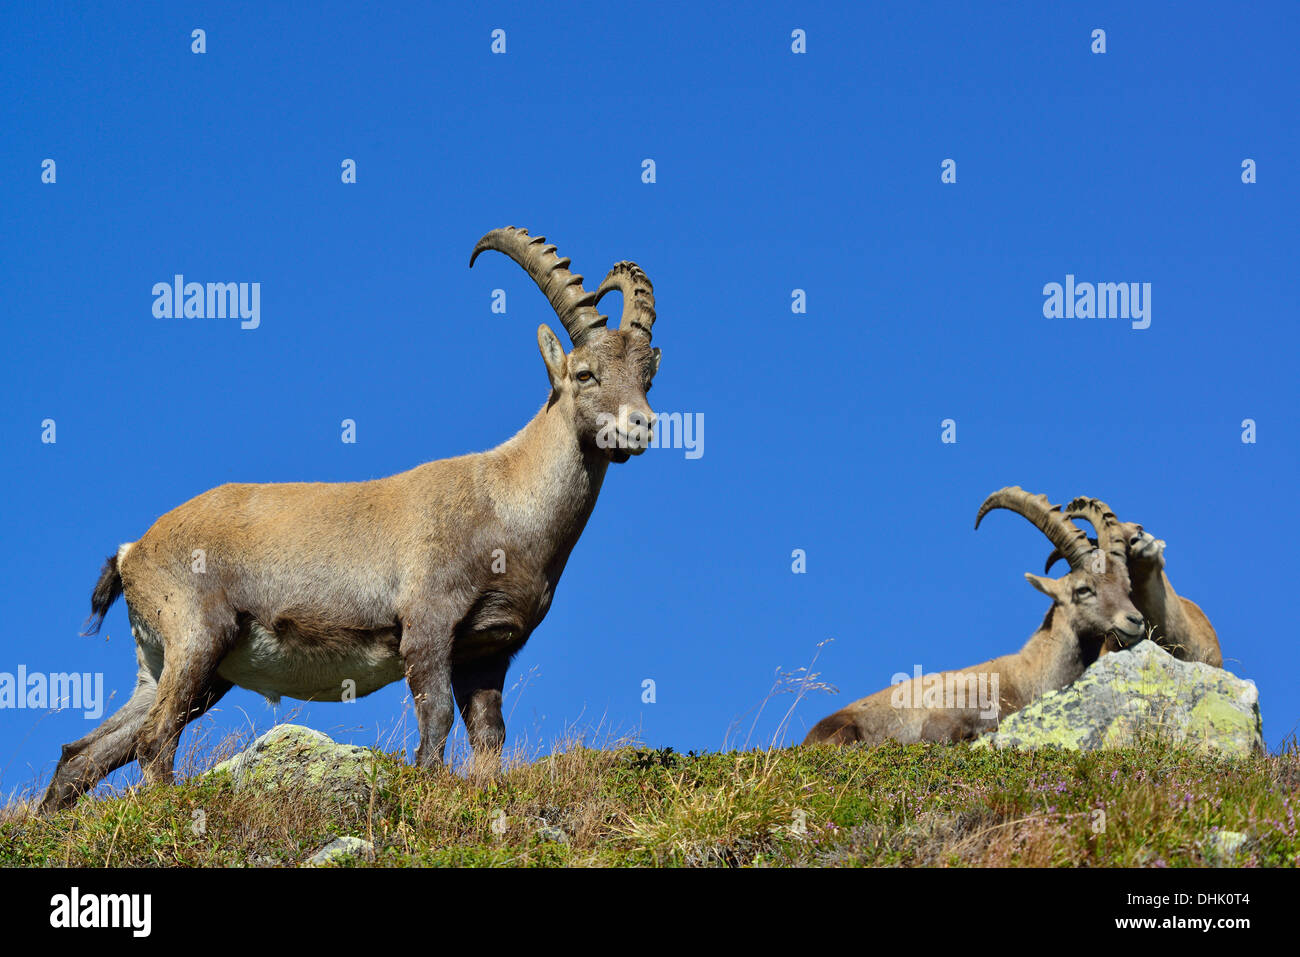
(478,687)
(426,650)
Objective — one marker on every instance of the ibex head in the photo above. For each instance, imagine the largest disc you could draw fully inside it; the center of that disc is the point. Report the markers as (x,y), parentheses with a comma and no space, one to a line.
(605,378)
(1094,596)
(1146,553)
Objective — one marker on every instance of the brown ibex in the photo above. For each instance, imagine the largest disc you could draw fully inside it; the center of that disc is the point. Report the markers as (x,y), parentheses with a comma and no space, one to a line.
(1088,604)
(438,574)
(1177,624)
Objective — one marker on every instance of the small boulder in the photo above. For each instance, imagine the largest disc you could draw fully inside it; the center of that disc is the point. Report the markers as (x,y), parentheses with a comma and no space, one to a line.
(291,756)
(1141,694)
(341,848)
(552,833)
(1223,847)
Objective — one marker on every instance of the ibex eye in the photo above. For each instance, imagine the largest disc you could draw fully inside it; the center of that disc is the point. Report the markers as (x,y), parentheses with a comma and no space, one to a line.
(584,376)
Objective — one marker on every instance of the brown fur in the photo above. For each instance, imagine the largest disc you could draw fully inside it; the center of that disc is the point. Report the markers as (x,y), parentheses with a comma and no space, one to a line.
(1089,603)
(1177,624)
(343,579)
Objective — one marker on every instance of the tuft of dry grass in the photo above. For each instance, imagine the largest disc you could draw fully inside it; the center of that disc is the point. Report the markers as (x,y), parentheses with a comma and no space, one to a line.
(919,805)
(621,804)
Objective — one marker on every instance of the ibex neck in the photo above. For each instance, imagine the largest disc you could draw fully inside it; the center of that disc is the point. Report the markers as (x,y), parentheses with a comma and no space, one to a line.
(547,482)
(1151,595)
(1054,656)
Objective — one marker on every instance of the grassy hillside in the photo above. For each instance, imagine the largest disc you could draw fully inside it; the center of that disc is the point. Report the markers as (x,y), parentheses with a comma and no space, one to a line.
(893,805)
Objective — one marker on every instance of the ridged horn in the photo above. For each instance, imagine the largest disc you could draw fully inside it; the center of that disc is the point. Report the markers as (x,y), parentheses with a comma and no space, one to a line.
(573,305)
(638,296)
(1056,556)
(1110,536)
(1069,539)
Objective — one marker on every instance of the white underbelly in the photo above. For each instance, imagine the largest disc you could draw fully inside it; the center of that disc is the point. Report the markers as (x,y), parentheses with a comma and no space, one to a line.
(273,668)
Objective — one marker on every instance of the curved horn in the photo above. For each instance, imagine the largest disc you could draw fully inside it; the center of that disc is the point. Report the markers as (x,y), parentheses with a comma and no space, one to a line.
(1056,556)
(1068,538)
(638,296)
(574,306)
(1110,536)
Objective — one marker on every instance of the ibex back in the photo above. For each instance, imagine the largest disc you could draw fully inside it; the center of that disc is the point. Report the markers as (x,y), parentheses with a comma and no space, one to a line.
(439,574)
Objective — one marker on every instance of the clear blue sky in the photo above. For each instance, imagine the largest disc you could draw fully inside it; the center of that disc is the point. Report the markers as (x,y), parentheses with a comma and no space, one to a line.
(775,171)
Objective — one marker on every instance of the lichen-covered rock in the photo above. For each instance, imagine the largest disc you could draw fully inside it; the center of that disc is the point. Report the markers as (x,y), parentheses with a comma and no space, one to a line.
(552,833)
(341,848)
(1142,694)
(1223,847)
(291,756)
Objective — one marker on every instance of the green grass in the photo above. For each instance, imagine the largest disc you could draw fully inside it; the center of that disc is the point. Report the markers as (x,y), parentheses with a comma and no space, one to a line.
(926,805)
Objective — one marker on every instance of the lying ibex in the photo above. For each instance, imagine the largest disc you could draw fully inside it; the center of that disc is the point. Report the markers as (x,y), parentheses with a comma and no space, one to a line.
(1177,624)
(1088,604)
(319,591)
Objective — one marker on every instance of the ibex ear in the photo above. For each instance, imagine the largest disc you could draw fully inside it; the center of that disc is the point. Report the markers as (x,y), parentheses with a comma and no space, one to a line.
(1048,586)
(552,354)
(658,355)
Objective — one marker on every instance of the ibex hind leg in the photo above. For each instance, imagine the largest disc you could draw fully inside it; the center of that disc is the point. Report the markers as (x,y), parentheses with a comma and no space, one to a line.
(187,687)
(110,746)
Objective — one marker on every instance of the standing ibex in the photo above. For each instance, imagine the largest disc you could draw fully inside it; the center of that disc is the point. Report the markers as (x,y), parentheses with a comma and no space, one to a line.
(1177,624)
(438,574)
(1088,604)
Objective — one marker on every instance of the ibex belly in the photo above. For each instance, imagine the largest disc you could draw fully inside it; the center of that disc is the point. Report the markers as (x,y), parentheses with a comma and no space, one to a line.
(330,668)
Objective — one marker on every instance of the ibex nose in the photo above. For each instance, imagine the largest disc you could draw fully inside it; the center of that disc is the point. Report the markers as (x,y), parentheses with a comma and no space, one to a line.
(1134,620)
(634,418)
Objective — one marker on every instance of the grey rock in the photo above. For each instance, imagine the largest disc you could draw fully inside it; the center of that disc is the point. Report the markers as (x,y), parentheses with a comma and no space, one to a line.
(1138,695)
(291,756)
(1223,847)
(341,848)
(553,833)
